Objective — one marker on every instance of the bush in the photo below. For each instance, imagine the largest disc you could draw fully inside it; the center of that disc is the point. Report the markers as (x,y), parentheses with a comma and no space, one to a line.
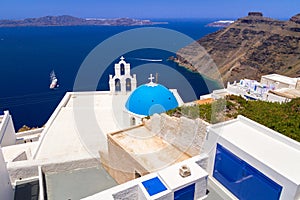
(284,118)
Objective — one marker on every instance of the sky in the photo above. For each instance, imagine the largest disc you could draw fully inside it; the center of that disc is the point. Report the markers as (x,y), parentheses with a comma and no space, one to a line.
(230,9)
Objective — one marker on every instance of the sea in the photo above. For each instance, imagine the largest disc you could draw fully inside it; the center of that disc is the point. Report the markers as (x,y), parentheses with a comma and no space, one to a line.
(29,54)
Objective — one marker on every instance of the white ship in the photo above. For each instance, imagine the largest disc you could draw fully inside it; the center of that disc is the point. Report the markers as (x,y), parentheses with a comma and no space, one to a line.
(53,80)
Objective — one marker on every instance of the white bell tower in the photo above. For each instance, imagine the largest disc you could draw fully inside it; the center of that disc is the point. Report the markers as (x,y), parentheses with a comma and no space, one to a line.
(122,82)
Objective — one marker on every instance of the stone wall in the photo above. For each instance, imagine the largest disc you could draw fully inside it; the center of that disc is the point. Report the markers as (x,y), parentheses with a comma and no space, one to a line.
(119,163)
(130,193)
(186,134)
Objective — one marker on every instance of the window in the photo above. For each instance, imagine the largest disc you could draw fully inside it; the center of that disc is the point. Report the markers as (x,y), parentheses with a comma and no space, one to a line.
(186,193)
(128,84)
(132,121)
(117,85)
(243,180)
(154,186)
(137,174)
(122,68)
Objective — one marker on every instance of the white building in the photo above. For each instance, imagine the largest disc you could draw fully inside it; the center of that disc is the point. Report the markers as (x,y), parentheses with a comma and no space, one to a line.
(252,161)
(280,81)
(177,158)
(74,135)
(272,87)
(122,82)
(285,88)
(185,180)
(243,159)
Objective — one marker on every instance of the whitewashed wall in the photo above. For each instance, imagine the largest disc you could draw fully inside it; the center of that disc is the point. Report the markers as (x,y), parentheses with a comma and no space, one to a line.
(6,191)
(7,130)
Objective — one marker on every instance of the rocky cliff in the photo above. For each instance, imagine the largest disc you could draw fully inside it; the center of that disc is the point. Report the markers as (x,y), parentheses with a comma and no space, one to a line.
(250,47)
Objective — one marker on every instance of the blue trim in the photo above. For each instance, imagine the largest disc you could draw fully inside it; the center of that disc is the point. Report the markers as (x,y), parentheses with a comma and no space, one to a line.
(243,180)
(250,98)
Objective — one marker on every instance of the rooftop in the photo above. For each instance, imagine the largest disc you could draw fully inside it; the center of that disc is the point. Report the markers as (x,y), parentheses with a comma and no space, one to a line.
(77,184)
(204,101)
(150,150)
(287,93)
(91,113)
(10,153)
(281,78)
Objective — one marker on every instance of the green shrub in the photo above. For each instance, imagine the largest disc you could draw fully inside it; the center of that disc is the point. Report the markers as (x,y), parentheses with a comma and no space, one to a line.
(284,117)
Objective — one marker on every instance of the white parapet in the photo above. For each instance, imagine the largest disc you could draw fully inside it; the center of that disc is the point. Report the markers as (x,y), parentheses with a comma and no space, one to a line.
(165,184)
(7,130)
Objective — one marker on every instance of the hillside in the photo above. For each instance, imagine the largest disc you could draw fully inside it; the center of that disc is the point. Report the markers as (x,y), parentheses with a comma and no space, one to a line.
(284,118)
(66,20)
(249,48)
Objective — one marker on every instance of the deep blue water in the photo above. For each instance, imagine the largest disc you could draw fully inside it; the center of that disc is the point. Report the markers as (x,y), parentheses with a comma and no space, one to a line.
(29,54)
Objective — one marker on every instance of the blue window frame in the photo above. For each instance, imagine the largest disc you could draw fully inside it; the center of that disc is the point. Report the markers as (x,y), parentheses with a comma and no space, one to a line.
(243,180)
(154,186)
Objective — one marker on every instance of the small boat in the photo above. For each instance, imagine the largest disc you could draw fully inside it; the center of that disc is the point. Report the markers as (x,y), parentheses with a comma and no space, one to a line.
(53,80)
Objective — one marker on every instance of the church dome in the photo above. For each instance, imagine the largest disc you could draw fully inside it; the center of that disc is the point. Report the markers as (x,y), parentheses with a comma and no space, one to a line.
(151,98)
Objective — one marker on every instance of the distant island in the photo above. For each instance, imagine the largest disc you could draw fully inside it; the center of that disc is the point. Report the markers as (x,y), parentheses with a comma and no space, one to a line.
(66,20)
(221,23)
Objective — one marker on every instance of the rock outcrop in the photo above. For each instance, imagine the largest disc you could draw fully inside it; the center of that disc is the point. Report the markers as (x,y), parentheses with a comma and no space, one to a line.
(249,48)
(295,19)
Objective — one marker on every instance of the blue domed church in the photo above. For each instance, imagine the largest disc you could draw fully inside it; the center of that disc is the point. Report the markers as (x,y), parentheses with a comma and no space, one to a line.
(151,98)
(145,100)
